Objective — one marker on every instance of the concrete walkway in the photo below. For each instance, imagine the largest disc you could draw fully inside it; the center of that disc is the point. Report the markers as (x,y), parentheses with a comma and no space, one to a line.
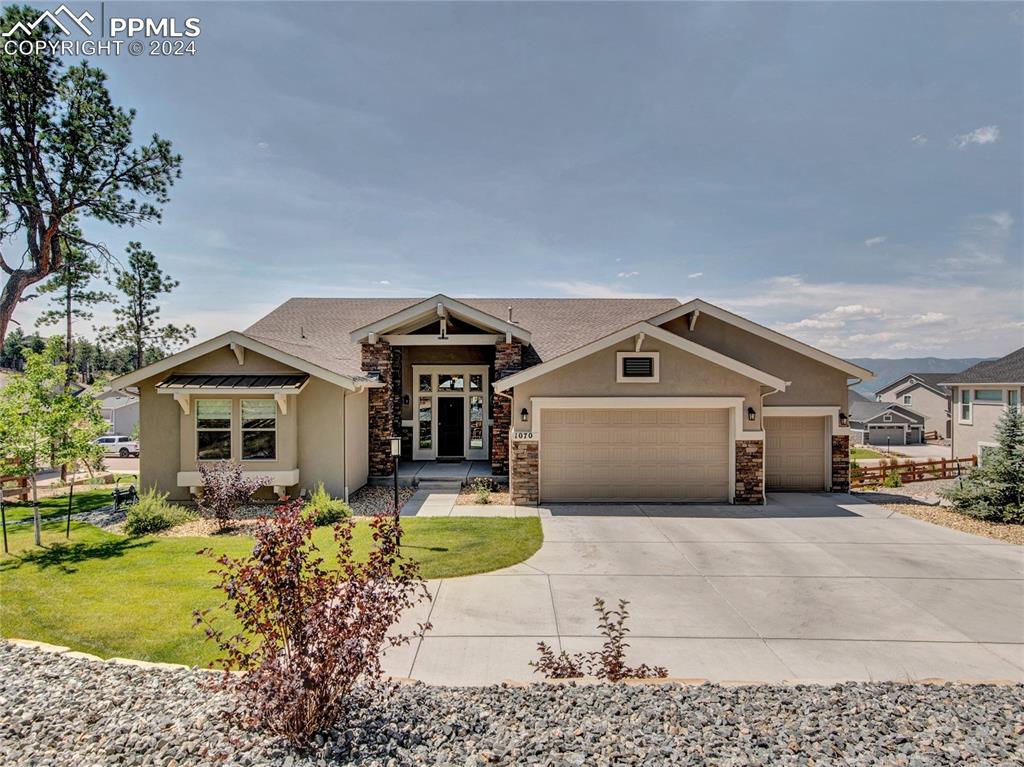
(810,586)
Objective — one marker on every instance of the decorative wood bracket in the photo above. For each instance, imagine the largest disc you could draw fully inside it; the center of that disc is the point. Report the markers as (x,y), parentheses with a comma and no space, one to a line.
(639,341)
(693,319)
(282,403)
(185,401)
(239,351)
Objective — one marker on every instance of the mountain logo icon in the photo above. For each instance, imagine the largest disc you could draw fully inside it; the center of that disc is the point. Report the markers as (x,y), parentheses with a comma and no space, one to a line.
(54,17)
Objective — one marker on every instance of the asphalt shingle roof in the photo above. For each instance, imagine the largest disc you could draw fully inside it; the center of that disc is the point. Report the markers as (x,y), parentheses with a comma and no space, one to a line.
(318,329)
(863,411)
(929,379)
(1008,369)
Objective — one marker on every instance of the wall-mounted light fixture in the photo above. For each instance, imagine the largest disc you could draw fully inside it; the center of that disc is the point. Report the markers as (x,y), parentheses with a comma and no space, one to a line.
(524,415)
(844,419)
(406,399)
(751,414)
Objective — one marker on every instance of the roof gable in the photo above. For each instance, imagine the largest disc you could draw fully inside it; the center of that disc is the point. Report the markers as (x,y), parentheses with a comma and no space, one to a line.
(435,307)
(701,306)
(647,329)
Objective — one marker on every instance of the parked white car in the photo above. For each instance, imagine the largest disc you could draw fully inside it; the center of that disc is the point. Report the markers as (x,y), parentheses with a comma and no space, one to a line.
(119,446)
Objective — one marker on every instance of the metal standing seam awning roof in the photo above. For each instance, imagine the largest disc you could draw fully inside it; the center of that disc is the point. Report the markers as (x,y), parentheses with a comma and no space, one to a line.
(282,383)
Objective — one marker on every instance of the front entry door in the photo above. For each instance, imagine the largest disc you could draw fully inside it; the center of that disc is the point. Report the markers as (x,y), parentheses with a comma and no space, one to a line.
(450,426)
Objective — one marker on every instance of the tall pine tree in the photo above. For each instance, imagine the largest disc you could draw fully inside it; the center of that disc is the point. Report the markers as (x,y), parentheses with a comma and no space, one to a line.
(138,314)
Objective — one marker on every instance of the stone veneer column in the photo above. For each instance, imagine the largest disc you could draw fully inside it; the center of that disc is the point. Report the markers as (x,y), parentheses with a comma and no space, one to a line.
(377,359)
(508,358)
(749,471)
(840,463)
(523,476)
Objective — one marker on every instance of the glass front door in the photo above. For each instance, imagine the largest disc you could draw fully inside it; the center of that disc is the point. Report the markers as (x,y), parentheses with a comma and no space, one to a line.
(449,412)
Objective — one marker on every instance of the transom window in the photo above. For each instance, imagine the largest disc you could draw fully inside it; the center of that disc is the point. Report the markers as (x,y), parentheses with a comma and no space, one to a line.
(451,382)
(988,395)
(637,367)
(213,429)
(259,430)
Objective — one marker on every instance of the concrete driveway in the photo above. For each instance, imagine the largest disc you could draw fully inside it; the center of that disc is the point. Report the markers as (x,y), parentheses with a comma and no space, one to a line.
(811,586)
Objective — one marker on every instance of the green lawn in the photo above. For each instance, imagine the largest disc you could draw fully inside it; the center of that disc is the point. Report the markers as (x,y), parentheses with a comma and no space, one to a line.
(115,596)
(860,453)
(86,499)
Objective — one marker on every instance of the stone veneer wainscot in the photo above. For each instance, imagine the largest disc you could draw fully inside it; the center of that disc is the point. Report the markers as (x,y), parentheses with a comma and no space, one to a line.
(840,463)
(749,471)
(377,358)
(508,358)
(524,473)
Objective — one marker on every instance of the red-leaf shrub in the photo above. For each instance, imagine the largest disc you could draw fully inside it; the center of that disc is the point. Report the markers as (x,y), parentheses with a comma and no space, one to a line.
(311,637)
(607,663)
(225,489)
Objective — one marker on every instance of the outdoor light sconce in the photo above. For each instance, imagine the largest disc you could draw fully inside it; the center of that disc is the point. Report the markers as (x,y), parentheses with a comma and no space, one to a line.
(406,399)
(751,414)
(844,420)
(396,446)
(524,414)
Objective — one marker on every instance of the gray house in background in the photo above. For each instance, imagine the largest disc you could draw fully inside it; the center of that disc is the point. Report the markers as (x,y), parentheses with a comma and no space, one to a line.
(925,394)
(885,424)
(981,394)
(120,410)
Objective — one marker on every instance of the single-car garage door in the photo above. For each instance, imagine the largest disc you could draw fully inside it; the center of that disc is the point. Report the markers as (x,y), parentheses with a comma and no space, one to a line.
(634,455)
(794,453)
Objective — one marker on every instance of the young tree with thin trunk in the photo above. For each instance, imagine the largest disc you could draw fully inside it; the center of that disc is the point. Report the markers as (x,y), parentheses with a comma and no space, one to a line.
(39,418)
(141,284)
(72,296)
(66,153)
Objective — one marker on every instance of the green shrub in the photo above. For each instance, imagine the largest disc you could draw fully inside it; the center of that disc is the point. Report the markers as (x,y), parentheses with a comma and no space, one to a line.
(995,490)
(483,488)
(326,510)
(153,513)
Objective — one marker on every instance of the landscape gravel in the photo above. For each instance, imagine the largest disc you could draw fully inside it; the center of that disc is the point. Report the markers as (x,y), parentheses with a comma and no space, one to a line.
(66,711)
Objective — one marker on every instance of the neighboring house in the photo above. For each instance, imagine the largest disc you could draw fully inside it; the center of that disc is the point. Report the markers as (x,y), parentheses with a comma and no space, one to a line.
(885,424)
(573,399)
(120,410)
(980,394)
(924,393)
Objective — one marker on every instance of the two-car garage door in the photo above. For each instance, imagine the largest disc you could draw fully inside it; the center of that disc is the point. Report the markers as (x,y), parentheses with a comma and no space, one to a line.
(634,454)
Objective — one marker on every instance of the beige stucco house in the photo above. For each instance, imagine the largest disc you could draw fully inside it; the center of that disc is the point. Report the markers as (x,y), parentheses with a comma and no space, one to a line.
(924,394)
(980,395)
(571,399)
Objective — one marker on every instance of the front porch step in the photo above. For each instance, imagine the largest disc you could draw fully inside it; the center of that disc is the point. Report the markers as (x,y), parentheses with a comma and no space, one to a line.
(440,485)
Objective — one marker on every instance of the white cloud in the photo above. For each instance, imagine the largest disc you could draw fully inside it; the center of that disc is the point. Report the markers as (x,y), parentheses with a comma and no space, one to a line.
(873,241)
(987,134)
(263,146)
(919,140)
(904,319)
(694,275)
(382,282)
(625,275)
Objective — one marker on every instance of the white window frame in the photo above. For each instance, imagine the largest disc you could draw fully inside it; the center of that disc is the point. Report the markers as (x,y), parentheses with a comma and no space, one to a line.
(1015,395)
(887,418)
(655,367)
(230,429)
(908,399)
(471,454)
(242,430)
(964,401)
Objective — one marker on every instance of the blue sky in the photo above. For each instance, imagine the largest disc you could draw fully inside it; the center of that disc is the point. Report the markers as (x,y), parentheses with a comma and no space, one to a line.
(850,173)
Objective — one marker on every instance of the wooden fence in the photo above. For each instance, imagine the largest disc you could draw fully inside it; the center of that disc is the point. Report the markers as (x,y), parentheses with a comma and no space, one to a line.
(930,436)
(20,490)
(912,471)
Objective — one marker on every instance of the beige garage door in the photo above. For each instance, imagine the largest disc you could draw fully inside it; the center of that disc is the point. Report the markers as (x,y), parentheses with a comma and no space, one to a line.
(794,453)
(632,455)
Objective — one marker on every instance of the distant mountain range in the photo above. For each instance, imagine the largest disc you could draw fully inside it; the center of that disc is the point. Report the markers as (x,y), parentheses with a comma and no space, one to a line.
(887,370)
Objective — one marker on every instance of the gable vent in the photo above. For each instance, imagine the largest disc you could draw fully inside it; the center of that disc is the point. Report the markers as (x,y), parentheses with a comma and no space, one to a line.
(637,367)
